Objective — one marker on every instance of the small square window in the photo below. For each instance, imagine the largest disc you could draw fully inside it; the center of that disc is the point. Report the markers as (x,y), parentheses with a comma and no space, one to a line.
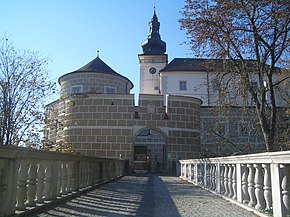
(182,85)
(110,90)
(76,89)
(243,128)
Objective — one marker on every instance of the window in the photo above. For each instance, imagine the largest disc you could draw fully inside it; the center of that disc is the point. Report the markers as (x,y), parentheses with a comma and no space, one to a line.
(110,90)
(243,128)
(254,85)
(182,85)
(76,89)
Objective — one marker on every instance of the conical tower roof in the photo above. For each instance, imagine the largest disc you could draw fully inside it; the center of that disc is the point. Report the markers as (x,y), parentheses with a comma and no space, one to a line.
(96,66)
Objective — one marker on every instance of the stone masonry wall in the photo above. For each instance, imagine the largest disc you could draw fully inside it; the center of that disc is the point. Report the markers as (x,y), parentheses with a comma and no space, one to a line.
(106,125)
(94,83)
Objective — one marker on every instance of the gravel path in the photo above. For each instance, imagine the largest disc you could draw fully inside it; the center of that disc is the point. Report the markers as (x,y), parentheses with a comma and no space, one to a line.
(150,196)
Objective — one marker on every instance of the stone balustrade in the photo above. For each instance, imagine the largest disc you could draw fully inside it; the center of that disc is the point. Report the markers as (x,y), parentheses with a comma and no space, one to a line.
(257,182)
(32,178)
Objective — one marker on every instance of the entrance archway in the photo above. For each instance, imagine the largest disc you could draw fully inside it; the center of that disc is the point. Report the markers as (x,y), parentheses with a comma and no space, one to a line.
(150,151)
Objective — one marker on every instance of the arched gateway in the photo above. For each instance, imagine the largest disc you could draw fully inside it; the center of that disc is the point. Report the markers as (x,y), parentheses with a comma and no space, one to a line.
(150,151)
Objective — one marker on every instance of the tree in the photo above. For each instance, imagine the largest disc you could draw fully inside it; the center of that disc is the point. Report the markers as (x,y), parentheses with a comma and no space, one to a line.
(253,39)
(24,86)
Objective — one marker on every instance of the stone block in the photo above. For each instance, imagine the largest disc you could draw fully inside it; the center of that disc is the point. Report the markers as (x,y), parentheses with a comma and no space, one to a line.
(111,154)
(84,108)
(91,123)
(121,139)
(176,148)
(87,132)
(97,115)
(102,122)
(107,116)
(127,116)
(88,102)
(112,122)
(185,148)
(111,139)
(96,132)
(82,138)
(91,138)
(113,108)
(125,147)
(106,131)
(103,108)
(101,139)
(121,123)
(116,116)
(92,109)
(115,147)
(86,146)
(96,146)
(116,132)
(101,153)
(106,146)
(122,109)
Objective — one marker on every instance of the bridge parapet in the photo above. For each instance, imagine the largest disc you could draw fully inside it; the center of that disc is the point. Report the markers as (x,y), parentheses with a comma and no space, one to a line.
(31,178)
(257,182)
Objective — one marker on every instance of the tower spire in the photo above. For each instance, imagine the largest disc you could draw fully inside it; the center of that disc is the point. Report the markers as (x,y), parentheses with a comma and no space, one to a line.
(153,44)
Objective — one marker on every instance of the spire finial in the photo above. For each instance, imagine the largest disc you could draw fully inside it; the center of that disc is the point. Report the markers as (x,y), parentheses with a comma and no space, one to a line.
(98,53)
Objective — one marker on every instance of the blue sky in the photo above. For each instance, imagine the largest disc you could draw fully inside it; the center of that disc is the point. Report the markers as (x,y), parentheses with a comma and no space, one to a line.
(71,31)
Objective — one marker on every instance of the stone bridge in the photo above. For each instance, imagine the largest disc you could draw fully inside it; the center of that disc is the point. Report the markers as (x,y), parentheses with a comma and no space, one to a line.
(35,183)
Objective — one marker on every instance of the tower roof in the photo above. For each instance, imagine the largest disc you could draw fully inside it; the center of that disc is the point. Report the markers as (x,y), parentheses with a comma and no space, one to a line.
(153,45)
(97,66)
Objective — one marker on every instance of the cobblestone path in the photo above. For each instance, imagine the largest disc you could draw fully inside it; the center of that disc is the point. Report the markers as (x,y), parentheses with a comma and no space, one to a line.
(150,196)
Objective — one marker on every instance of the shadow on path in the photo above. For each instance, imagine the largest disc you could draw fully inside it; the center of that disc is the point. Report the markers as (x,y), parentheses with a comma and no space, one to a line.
(138,195)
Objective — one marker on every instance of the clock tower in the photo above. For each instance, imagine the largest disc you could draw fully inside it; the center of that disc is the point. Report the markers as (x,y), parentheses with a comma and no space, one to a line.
(153,59)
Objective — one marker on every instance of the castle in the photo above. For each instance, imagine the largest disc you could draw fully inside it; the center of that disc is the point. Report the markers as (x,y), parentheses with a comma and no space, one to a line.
(96,114)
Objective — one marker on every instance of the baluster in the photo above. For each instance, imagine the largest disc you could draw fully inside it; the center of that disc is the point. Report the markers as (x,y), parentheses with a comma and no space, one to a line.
(59,166)
(48,181)
(251,189)
(82,174)
(190,173)
(267,187)
(31,187)
(69,177)
(222,186)
(234,180)
(21,187)
(198,173)
(94,174)
(208,176)
(64,178)
(259,187)
(226,180)
(214,178)
(208,166)
(245,197)
(211,176)
(86,174)
(40,182)
(90,180)
(230,181)
(203,174)
(285,188)
(75,181)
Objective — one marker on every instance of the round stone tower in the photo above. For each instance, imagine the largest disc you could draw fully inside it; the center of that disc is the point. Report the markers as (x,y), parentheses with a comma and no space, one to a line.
(94,77)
